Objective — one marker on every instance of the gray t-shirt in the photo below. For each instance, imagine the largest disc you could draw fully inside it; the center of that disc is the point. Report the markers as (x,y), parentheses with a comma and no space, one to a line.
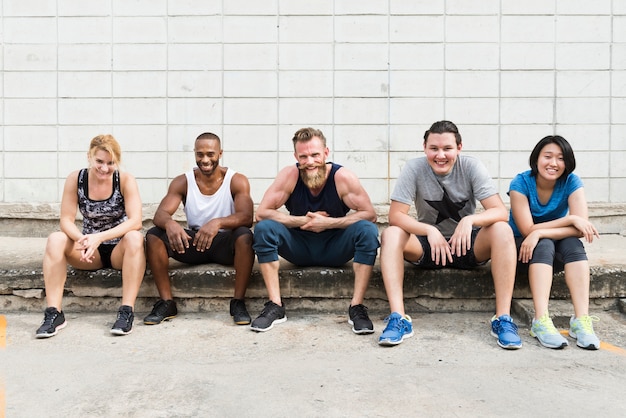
(443,200)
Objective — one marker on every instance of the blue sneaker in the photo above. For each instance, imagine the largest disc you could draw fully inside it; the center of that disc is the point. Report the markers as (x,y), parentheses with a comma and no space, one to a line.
(505,331)
(398,328)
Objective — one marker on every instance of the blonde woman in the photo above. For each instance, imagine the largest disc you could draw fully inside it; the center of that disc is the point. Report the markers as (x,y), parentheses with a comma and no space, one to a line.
(111,237)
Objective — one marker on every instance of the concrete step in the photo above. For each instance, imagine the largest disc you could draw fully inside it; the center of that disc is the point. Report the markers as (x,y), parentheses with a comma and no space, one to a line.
(314,289)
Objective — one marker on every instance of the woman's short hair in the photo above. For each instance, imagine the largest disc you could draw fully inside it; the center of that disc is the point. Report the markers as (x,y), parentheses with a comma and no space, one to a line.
(566,149)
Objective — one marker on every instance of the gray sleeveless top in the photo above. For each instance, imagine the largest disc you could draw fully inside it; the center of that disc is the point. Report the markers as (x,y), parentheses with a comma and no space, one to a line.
(100,215)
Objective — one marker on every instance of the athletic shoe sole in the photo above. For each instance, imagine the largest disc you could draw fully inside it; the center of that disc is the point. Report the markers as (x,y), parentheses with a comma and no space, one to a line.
(584,347)
(56,330)
(554,347)
(360,331)
(588,347)
(167,318)
(506,347)
(389,343)
(117,331)
(276,321)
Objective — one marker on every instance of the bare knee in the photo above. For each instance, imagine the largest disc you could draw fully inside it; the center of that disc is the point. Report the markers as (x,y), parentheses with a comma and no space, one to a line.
(57,243)
(243,247)
(500,233)
(133,241)
(393,235)
(497,237)
(153,243)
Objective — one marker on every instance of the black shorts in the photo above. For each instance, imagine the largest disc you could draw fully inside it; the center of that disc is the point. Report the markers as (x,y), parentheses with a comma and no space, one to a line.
(465,262)
(221,251)
(105,251)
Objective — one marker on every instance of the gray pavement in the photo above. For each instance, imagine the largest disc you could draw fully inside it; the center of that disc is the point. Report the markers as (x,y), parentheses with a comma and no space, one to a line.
(311,366)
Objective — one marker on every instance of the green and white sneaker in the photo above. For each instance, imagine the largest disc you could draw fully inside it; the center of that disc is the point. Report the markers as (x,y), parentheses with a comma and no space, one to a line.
(582,329)
(543,329)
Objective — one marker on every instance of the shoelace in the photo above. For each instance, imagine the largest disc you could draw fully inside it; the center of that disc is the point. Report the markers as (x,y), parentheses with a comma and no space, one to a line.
(161,308)
(360,312)
(586,323)
(124,315)
(507,326)
(239,307)
(270,309)
(395,323)
(49,318)
(547,324)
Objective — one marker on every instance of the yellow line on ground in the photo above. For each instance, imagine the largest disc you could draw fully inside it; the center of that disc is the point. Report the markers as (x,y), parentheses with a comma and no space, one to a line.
(612,348)
(3,331)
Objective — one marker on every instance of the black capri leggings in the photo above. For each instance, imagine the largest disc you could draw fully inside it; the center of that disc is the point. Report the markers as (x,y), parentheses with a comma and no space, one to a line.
(556,253)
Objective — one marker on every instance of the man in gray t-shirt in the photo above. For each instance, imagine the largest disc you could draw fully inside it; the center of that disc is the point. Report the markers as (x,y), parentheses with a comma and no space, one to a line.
(444,187)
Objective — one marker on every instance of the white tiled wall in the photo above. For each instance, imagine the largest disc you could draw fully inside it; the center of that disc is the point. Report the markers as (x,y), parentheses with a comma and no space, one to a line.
(372,74)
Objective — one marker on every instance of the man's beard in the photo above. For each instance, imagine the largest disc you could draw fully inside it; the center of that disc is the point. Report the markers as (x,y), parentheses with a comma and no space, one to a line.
(316,180)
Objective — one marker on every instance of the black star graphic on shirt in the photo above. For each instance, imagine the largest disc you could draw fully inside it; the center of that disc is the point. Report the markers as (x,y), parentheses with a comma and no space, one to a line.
(447,208)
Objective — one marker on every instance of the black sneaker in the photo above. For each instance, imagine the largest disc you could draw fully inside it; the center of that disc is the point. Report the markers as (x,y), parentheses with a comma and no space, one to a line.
(124,323)
(53,321)
(163,310)
(359,320)
(270,315)
(239,312)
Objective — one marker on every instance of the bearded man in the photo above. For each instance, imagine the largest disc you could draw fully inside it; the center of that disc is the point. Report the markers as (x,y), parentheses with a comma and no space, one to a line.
(330,222)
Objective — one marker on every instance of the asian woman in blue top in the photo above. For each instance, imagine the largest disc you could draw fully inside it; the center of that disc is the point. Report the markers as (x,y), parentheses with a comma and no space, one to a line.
(549,216)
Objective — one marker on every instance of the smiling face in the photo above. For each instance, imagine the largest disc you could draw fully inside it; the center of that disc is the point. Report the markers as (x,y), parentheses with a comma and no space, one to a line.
(311,156)
(208,153)
(550,163)
(441,152)
(102,164)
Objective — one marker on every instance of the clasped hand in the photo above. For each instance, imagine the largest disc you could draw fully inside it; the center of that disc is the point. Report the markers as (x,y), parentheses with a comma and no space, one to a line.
(87,246)
(316,221)
(586,228)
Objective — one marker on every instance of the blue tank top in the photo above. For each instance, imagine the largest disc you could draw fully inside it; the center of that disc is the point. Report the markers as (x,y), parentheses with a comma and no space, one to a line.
(100,215)
(302,200)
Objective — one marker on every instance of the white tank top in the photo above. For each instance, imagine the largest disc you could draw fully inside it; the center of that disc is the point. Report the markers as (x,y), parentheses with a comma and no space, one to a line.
(201,208)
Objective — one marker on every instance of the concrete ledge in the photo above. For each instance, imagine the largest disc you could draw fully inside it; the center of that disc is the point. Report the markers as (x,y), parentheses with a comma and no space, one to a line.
(315,289)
